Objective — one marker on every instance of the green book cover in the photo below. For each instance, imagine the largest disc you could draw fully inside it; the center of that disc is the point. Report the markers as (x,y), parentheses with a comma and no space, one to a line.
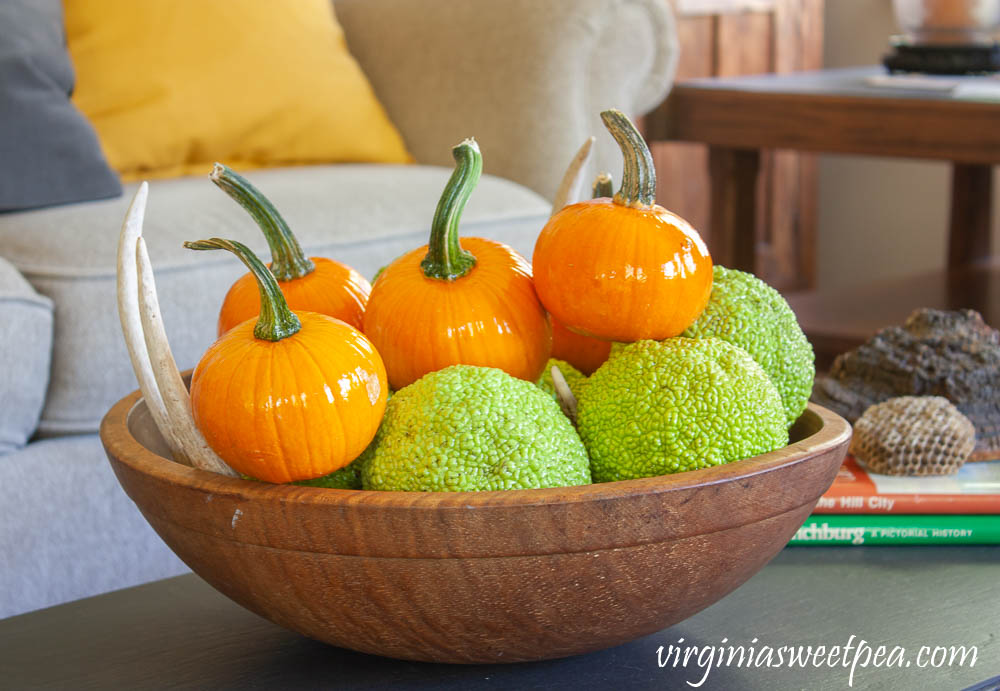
(898,529)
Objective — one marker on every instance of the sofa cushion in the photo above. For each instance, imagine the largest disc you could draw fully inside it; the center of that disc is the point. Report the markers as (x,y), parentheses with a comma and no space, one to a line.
(48,151)
(68,529)
(363,215)
(527,78)
(25,356)
(251,84)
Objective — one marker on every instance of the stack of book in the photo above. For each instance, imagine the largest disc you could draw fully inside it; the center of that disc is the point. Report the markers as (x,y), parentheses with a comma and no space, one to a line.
(864,508)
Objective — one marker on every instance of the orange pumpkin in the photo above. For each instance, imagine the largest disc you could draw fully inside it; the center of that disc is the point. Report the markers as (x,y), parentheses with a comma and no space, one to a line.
(295,395)
(623,269)
(449,302)
(583,352)
(314,284)
(586,353)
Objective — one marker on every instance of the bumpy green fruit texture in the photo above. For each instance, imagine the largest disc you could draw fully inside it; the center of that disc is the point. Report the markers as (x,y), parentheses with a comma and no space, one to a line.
(575,379)
(467,428)
(747,312)
(662,407)
(348,477)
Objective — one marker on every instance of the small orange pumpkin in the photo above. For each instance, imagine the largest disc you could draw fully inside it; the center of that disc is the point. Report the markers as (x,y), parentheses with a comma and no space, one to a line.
(314,284)
(457,303)
(623,269)
(583,352)
(586,353)
(291,397)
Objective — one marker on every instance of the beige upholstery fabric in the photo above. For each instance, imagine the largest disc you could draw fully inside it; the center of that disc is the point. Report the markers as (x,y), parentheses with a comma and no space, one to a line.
(363,215)
(527,78)
(25,355)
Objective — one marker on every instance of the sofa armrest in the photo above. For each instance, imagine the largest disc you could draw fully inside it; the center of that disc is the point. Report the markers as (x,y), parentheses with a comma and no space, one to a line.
(25,357)
(528,79)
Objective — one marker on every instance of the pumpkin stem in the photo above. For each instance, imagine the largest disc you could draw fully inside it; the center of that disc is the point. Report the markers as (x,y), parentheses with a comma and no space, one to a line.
(276,320)
(639,175)
(604,186)
(446,260)
(288,262)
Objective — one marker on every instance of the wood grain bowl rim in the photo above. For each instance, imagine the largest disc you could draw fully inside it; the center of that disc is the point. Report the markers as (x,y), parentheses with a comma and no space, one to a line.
(123,447)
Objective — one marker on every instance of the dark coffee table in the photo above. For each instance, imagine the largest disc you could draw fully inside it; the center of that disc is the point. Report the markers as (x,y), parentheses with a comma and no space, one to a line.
(180,633)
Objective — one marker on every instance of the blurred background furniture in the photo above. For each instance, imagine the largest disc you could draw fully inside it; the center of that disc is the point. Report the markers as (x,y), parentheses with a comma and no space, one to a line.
(841,111)
(729,38)
(839,320)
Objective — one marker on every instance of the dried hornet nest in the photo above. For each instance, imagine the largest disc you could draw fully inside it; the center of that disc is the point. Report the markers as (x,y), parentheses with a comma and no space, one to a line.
(935,353)
(913,435)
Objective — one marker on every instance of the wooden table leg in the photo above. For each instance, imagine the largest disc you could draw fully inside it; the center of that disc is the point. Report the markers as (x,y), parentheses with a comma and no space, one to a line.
(732,239)
(971,202)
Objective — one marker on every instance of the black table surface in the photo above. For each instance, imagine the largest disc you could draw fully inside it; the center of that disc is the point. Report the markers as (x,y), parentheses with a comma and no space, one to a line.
(180,633)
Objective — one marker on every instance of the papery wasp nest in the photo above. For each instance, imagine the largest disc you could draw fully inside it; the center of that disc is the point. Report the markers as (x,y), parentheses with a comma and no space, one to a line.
(913,435)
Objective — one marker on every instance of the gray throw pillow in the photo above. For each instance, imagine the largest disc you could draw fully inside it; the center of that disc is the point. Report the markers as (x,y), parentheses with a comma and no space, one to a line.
(49,153)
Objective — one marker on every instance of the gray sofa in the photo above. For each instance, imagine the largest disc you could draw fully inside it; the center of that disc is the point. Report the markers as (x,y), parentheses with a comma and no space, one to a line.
(527,78)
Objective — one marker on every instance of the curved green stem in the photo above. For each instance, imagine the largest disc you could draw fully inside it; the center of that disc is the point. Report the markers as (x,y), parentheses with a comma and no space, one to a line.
(276,320)
(446,260)
(639,175)
(604,186)
(288,262)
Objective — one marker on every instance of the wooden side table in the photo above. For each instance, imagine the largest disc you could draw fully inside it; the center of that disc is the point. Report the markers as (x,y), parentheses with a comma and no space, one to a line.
(832,111)
(837,322)
(836,111)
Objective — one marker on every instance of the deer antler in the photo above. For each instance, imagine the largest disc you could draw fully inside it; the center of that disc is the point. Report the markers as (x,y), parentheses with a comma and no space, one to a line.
(128,314)
(153,362)
(567,401)
(569,188)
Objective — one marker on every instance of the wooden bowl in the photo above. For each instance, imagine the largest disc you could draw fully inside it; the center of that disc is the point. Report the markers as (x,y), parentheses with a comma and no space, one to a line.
(478,577)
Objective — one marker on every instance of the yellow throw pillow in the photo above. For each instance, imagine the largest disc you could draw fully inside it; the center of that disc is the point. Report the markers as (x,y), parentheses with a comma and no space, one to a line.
(173,85)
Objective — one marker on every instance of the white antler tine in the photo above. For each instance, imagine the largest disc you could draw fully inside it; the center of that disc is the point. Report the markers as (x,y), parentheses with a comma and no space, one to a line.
(567,401)
(569,188)
(168,378)
(128,314)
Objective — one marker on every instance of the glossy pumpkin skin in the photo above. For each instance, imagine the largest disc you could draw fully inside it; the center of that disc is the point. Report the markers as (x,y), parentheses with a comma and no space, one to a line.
(622,273)
(332,288)
(452,302)
(623,268)
(288,396)
(292,409)
(489,317)
(583,352)
(313,284)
